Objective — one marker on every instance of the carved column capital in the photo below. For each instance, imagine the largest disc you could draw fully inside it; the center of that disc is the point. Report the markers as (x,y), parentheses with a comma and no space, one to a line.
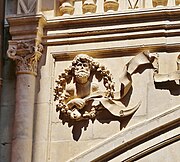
(26,54)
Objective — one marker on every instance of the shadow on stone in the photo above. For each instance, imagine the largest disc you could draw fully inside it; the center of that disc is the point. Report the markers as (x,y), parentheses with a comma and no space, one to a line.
(173,88)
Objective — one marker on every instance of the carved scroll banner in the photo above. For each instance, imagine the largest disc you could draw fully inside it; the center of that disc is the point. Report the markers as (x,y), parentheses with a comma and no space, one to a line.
(131,67)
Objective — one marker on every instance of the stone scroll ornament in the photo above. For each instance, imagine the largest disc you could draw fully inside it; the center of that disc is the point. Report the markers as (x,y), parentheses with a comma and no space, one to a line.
(144,58)
(173,76)
(82,99)
(26,54)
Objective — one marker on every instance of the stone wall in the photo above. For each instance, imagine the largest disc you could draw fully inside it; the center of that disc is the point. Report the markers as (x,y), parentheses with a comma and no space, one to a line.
(112,38)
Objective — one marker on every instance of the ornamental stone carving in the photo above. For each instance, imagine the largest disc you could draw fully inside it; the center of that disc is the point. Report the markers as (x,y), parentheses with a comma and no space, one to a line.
(67,7)
(111,5)
(89,6)
(159,3)
(26,55)
(170,76)
(77,97)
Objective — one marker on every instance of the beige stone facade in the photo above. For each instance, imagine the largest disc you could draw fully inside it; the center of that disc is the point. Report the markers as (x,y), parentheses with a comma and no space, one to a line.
(133,53)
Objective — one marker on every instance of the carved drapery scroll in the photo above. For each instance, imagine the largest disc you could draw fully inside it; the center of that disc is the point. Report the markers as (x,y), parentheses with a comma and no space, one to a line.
(26,55)
(130,68)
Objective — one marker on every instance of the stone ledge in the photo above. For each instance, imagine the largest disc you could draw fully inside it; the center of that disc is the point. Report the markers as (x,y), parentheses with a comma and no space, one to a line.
(116,51)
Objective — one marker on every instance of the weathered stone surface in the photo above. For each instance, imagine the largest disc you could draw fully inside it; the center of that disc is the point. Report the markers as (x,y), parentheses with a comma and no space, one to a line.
(113,41)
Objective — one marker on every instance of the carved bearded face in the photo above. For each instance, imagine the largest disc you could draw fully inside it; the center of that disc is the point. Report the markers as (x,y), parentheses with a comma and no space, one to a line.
(82,72)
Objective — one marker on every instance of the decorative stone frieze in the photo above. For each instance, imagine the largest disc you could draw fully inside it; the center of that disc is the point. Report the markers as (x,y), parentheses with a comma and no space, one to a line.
(160,3)
(26,54)
(111,5)
(66,7)
(89,6)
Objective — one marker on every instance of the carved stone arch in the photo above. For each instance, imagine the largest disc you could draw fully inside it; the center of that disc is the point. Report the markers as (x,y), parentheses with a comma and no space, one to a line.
(137,141)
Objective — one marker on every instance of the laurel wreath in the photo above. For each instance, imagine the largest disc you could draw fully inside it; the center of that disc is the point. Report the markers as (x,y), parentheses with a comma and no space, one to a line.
(67,76)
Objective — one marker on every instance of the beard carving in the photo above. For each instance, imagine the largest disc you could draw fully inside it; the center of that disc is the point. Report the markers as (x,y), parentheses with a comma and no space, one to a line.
(82,76)
(82,72)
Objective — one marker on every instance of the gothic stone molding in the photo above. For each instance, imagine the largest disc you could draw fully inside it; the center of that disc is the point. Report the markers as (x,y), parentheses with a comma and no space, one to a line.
(26,54)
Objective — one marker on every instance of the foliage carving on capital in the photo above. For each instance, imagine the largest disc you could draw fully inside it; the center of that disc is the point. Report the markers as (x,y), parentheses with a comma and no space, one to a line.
(26,55)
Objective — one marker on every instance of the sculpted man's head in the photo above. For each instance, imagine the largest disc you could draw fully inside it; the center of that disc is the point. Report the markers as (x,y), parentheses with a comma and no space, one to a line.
(82,64)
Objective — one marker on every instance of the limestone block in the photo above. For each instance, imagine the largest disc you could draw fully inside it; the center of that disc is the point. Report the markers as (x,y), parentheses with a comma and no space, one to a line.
(167,63)
(105,130)
(44,90)
(54,115)
(41,122)
(69,149)
(40,151)
(46,66)
(158,100)
(79,131)
(174,100)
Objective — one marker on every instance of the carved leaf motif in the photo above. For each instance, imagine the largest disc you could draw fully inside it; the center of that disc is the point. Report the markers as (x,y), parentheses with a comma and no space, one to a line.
(26,55)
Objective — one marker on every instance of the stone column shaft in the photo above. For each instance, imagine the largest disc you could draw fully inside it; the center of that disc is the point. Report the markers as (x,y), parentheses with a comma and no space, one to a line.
(23,124)
(26,54)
